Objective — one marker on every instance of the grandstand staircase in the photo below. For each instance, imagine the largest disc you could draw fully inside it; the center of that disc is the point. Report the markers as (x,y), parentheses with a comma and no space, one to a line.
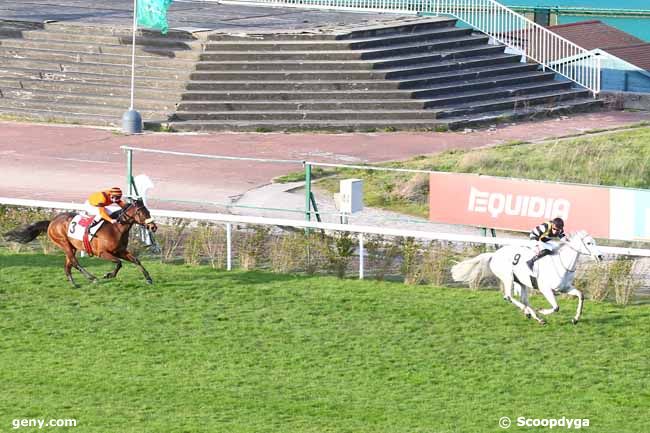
(413,73)
(73,73)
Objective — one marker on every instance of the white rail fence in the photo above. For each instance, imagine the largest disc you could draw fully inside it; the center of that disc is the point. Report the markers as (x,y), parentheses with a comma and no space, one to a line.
(502,24)
(359,230)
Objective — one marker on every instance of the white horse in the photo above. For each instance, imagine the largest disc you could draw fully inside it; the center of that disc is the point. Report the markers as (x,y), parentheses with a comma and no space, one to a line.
(551,274)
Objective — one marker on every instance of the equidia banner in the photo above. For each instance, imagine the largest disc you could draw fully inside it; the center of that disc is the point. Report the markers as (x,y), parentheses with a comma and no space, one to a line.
(518,204)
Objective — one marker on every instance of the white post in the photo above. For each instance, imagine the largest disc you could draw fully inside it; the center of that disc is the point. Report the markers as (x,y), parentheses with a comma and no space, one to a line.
(361,253)
(229,246)
(131,119)
(135,26)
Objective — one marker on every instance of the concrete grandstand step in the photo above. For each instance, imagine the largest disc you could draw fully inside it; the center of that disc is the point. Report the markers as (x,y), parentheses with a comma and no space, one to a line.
(49,97)
(58,117)
(302,105)
(288,76)
(282,85)
(373,47)
(79,57)
(401,27)
(501,81)
(450,65)
(104,39)
(92,78)
(248,95)
(99,88)
(185,53)
(84,109)
(530,112)
(511,103)
(96,68)
(459,45)
(117,30)
(469,73)
(304,125)
(374,114)
(281,65)
(474,96)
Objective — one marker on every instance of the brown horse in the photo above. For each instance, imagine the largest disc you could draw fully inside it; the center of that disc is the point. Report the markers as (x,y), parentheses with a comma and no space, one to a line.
(109,243)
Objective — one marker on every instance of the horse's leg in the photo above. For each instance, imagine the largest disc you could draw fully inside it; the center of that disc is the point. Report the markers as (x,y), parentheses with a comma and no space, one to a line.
(71,261)
(126,255)
(508,284)
(550,297)
(581,299)
(67,267)
(113,258)
(529,311)
(81,269)
(507,290)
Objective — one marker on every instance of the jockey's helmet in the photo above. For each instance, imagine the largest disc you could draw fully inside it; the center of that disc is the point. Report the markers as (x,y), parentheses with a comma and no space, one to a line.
(559,223)
(115,192)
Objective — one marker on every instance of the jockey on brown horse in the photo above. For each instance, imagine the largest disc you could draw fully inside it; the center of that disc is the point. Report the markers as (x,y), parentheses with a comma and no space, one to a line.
(109,243)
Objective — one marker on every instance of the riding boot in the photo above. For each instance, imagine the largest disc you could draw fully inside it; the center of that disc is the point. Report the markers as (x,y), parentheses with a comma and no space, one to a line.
(538,256)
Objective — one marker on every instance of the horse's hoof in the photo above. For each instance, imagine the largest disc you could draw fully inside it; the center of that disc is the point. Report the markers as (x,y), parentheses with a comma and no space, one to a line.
(542,322)
(574,321)
(108,276)
(149,281)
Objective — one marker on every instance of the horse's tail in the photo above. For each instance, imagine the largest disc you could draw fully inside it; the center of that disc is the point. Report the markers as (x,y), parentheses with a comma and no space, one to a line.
(472,270)
(27,233)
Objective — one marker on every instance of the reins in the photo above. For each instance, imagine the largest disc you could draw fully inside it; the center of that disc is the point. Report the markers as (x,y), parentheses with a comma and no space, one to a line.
(124,218)
(575,263)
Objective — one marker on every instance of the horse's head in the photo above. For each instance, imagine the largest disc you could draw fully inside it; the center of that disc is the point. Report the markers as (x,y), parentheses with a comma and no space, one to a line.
(583,243)
(137,212)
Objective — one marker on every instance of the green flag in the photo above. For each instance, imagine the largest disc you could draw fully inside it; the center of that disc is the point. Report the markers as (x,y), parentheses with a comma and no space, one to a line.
(152,14)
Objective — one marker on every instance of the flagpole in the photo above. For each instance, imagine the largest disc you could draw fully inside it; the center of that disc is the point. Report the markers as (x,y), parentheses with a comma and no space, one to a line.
(131,120)
(135,26)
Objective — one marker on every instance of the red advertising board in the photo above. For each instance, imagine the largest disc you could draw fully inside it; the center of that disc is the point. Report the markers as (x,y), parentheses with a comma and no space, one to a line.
(516,204)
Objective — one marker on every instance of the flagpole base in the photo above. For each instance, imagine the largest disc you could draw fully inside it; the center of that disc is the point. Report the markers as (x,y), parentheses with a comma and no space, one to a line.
(131,122)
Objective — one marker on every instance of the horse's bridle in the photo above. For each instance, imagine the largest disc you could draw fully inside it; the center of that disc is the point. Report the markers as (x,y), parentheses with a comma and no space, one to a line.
(124,218)
(575,265)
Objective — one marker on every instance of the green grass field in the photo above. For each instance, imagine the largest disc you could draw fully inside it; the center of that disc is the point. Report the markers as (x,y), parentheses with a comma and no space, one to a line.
(209,351)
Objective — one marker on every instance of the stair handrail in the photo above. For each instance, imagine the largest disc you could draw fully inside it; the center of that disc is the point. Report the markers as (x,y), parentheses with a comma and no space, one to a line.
(520,34)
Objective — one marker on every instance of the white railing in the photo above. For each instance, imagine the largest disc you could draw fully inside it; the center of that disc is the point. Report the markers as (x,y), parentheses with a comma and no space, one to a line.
(487,16)
(359,230)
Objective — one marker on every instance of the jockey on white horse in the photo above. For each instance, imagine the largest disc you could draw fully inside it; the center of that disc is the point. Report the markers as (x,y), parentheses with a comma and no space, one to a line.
(543,233)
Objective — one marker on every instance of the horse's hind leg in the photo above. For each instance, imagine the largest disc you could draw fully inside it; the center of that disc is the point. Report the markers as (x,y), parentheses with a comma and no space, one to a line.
(81,269)
(71,261)
(126,255)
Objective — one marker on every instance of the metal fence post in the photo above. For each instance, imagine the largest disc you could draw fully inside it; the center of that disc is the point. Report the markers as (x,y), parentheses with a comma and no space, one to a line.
(129,172)
(307,191)
(229,246)
(361,260)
